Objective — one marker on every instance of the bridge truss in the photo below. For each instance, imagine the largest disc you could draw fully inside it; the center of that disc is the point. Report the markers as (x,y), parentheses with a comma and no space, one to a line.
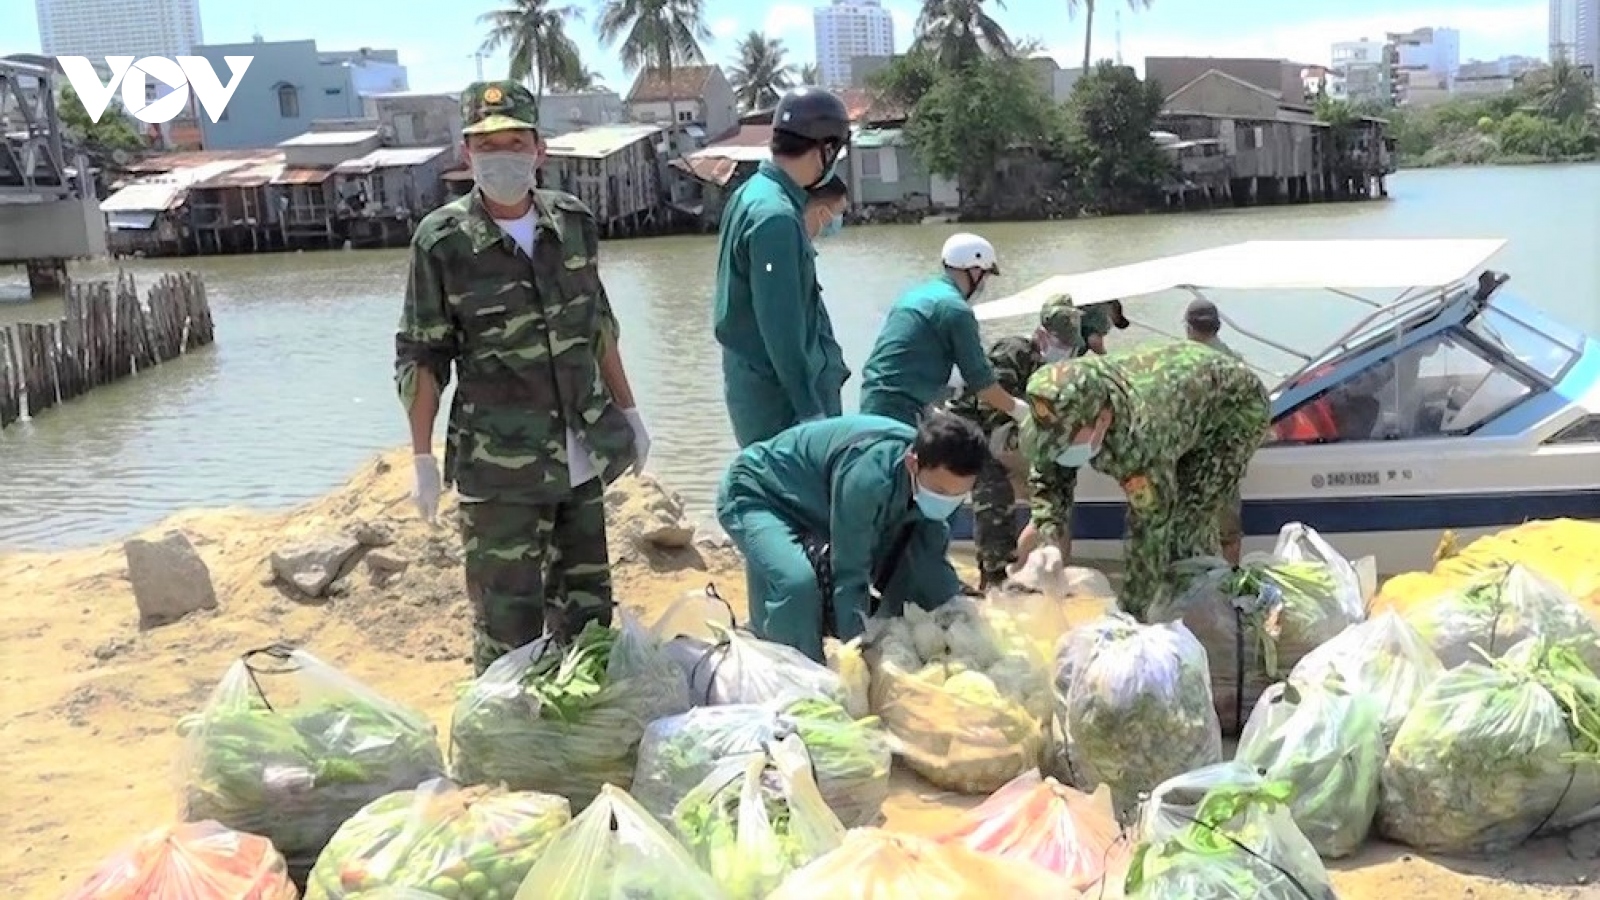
(32,159)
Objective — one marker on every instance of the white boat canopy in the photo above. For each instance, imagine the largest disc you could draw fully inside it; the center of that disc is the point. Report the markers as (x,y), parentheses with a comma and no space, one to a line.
(1263,266)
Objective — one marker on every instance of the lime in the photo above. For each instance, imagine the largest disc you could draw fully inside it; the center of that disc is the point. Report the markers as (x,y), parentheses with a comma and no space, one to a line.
(447,888)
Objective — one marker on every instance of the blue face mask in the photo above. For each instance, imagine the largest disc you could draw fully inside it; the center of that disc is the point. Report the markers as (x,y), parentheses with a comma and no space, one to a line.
(832,227)
(937,506)
(1076,456)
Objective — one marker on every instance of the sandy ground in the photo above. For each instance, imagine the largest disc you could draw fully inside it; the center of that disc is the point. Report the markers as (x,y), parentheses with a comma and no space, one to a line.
(89,700)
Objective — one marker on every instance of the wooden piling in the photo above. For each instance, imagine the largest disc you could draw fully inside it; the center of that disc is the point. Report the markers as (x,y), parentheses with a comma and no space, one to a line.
(108,333)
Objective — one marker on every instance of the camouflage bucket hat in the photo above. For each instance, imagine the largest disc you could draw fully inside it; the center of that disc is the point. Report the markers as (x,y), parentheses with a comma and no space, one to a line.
(490,106)
(1062,321)
(1062,398)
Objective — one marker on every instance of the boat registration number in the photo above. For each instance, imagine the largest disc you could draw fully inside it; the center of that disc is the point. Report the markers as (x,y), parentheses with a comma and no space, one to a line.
(1351,479)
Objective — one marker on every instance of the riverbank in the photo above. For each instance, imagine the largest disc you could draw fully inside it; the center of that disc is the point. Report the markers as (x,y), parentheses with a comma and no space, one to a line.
(89,716)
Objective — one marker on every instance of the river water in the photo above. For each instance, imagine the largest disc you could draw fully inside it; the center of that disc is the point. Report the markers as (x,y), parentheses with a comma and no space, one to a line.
(297,391)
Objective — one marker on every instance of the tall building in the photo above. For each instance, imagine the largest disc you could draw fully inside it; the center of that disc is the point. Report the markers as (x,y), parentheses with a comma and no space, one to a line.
(848,29)
(101,28)
(1423,64)
(1363,68)
(1575,31)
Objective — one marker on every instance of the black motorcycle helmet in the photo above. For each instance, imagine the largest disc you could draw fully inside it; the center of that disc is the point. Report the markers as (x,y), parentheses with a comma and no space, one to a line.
(818,116)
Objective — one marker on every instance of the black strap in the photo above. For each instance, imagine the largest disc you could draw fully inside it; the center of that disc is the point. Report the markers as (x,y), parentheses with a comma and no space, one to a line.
(819,552)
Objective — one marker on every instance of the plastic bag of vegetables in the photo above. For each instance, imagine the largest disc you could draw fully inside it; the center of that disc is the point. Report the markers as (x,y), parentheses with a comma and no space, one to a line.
(1327,743)
(848,662)
(961,697)
(289,747)
(756,818)
(1134,707)
(1259,620)
(191,861)
(1039,820)
(850,757)
(1499,609)
(725,664)
(448,840)
(882,865)
(1382,658)
(566,720)
(1494,753)
(1239,844)
(614,850)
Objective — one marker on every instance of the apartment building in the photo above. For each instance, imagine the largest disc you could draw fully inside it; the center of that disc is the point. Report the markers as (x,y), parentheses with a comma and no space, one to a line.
(101,28)
(1575,31)
(847,29)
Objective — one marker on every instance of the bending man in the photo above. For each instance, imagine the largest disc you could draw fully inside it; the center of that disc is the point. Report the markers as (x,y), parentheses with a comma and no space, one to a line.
(828,512)
(1175,424)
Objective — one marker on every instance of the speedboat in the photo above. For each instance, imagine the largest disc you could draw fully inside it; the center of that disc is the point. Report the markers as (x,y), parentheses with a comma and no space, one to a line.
(1453,405)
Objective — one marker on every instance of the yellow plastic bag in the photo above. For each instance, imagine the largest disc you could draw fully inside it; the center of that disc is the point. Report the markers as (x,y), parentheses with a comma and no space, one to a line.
(1498,609)
(879,865)
(191,861)
(1567,551)
(1041,821)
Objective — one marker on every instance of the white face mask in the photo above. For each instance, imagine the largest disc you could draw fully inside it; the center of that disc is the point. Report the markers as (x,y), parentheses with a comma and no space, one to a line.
(504,178)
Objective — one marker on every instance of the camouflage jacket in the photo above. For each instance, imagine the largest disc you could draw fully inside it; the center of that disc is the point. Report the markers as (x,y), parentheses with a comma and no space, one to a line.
(1015,359)
(526,337)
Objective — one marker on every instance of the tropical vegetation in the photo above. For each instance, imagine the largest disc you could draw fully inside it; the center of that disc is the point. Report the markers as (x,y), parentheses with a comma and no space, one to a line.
(662,34)
(1087,8)
(534,34)
(760,74)
(100,141)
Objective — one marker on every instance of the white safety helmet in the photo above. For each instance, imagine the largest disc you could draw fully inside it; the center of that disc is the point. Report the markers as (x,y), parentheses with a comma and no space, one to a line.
(968,251)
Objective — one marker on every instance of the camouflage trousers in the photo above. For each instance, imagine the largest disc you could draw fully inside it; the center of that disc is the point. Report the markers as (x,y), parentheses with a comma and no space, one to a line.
(994,522)
(529,565)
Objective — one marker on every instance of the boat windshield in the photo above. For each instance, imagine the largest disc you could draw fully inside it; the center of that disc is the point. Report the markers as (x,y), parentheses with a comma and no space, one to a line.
(1545,347)
(1386,325)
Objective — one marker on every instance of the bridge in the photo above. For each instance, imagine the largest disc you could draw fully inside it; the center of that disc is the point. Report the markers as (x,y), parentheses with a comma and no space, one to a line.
(49,214)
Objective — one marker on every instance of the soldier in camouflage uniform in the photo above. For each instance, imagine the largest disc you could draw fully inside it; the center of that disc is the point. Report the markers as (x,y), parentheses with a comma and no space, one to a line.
(1098,320)
(1015,358)
(1174,423)
(504,284)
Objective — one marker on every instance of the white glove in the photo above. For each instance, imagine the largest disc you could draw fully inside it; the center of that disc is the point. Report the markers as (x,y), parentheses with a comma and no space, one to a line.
(426,488)
(999,441)
(641,439)
(1020,411)
(956,381)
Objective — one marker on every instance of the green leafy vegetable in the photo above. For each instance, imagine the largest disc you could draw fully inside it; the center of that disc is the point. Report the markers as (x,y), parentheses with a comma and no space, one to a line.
(1382,658)
(1498,610)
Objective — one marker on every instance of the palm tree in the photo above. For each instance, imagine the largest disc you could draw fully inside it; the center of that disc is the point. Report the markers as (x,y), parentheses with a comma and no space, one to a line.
(1563,92)
(1088,23)
(536,34)
(960,30)
(657,34)
(809,74)
(759,73)
(585,79)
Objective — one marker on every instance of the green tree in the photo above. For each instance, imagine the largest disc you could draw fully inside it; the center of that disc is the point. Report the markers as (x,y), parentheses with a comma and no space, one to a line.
(535,33)
(908,78)
(1087,6)
(1562,92)
(760,75)
(1109,118)
(957,32)
(809,74)
(100,140)
(660,34)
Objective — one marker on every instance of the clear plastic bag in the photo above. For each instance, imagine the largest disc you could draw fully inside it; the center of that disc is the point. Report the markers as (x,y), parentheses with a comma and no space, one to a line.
(1224,833)
(850,757)
(962,690)
(1259,620)
(846,661)
(1135,707)
(1039,820)
(566,721)
(756,818)
(882,865)
(439,837)
(1382,658)
(613,850)
(191,861)
(1487,758)
(1328,744)
(1499,609)
(289,747)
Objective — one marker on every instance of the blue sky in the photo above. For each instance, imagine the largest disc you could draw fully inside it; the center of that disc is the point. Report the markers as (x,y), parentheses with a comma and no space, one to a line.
(436,40)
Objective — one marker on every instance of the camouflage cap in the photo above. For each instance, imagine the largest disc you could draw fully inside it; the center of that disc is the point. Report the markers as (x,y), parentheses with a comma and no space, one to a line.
(490,106)
(1062,398)
(1062,321)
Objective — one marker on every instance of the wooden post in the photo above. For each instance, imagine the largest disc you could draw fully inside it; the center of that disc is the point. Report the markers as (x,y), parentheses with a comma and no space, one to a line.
(10,382)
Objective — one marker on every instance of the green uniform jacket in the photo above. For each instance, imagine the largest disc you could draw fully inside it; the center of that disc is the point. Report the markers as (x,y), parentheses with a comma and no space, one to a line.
(525,335)
(927,331)
(780,362)
(861,506)
(1096,323)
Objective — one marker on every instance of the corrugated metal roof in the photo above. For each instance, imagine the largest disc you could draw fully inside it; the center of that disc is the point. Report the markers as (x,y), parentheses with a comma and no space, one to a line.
(167,162)
(600,141)
(302,175)
(144,197)
(328,139)
(253,175)
(389,158)
(870,139)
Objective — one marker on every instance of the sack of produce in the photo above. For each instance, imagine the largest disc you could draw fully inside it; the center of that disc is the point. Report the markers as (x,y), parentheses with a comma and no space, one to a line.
(962,698)
(1567,551)
(447,840)
(1134,707)
(725,664)
(848,662)
(289,747)
(566,720)
(191,861)
(613,850)
(849,757)
(756,818)
(1041,821)
(881,865)
(1325,742)
(1382,658)
(1494,753)
(1239,844)
(1499,609)
(1257,621)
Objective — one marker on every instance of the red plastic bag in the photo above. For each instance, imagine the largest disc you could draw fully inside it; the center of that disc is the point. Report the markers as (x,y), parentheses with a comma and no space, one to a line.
(192,861)
(1044,822)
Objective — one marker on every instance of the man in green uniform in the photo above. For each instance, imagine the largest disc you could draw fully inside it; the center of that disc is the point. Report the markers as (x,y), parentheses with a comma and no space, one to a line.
(1098,320)
(780,362)
(1014,359)
(825,206)
(1203,323)
(1174,423)
(930,330)
(829,511)
(504,284)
